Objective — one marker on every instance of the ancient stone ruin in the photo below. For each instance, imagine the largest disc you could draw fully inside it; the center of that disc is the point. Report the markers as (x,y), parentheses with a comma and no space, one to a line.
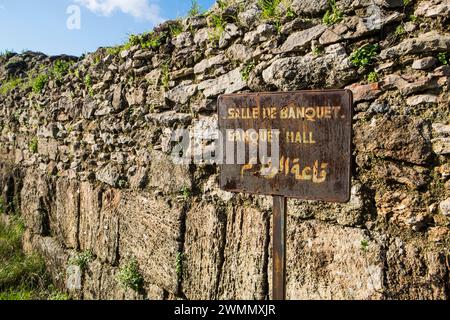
(85,155)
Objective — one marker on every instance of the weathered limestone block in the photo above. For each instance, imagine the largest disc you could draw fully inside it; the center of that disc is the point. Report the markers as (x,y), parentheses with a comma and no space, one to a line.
(347,214)
(203,251)
(228,83)
(332,69)
(151,233)
(433,8)
(37,202)
(65,220)
(55,256)
(244,267)
(99,221)
(300,40)
(401,208)
(432,41)
(48,147)
(326,261)
(401,138)
(416,270)
(167,176)
(101,283)
(413,177)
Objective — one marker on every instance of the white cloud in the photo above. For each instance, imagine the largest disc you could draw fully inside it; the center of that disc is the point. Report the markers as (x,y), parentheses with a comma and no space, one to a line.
(140,9)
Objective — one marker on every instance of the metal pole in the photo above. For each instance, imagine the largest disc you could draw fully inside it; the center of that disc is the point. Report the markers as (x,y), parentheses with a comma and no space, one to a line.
(279,248)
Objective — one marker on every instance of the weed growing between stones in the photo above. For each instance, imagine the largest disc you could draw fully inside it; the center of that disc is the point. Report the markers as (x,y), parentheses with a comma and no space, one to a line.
(247,69)
(269,8)
(175,29)
(443,58)
(10,85)
(364,55)
(22,277)
(33,145)
(179,264)
(195,9)
(218,23)
(38,83)
(333,15)
(186,193)
(400,30)
(364,245)
(130,277)
(61,68)
(372,77)
(165,75)
(88,84)
(82,259)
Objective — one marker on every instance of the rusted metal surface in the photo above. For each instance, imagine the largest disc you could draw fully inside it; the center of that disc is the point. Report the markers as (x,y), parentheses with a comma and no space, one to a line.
(315,143)
(279,248)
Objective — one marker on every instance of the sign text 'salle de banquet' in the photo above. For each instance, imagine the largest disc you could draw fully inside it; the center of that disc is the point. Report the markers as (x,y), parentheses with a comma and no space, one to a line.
(292,144)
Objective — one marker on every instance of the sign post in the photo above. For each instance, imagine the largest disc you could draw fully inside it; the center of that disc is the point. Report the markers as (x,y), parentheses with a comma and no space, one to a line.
(286,144)
(279,248)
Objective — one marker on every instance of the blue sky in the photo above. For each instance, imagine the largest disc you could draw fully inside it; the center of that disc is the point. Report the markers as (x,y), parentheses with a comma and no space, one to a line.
(41,25)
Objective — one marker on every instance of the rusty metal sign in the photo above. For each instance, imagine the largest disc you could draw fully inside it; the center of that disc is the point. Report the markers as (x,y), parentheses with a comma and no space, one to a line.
(313,130)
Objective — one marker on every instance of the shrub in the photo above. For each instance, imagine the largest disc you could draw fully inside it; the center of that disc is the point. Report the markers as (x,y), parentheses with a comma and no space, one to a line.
(218,24)
(130,277)
(82,259)
(333,15)
(61,68)
(364,55)
(33,145)
(114,51)
(175,29)
(38,83)
(10,85)
(195,9)
(269,8)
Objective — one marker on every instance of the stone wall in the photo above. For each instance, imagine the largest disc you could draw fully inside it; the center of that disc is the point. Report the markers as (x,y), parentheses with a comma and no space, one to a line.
(85,156)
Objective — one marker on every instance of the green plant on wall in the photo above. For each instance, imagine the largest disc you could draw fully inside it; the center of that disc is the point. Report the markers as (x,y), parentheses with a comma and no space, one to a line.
(333,15)
(38,83)
(165,75)
(364,245)
(364,55)
(443,58)
(400,30)
(217,23)
(129,276)
(186,192)
(82,259)
(247,69)
(372,77)
(33,145)
(195,9)
(179,264)
(10,85)
(175,29)
(61,68)
(269,8)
